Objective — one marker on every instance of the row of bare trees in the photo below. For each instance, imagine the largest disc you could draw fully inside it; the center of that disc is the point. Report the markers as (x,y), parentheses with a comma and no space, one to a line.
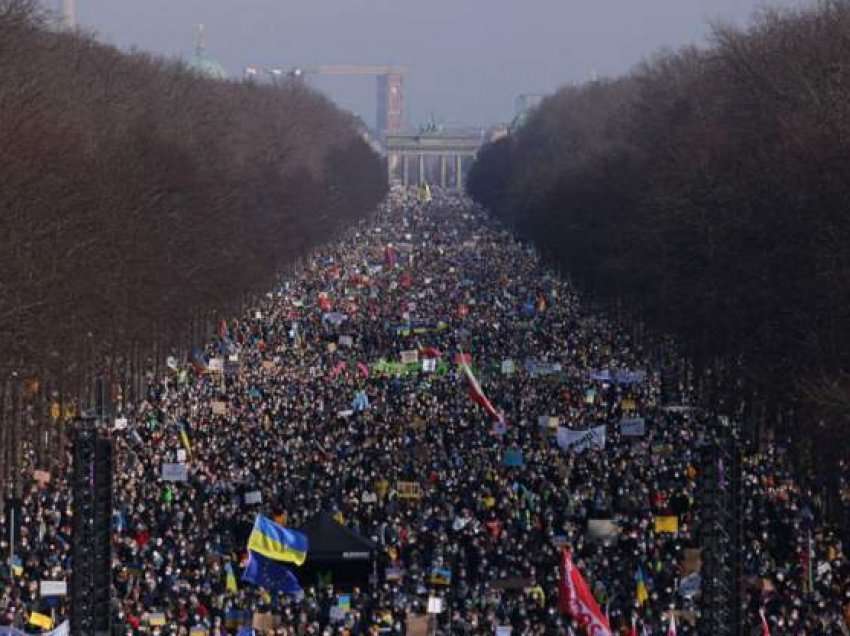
(708,191)
(139,203)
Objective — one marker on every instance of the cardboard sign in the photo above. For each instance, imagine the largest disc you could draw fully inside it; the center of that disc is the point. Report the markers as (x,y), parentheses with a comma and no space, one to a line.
(175,472)
(52,588)
(268,365)
(410,357)
(409,490)
(219,408)
(265,621)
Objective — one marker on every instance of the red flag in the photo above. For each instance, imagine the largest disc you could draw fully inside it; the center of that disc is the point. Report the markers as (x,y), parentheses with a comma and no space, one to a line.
(429,352)
(575,599)
(633,631)
(405,280)
(765,629)
(477,395)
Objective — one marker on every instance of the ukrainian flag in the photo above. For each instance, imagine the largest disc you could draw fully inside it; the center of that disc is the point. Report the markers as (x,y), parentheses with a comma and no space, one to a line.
(276,542)
(641,592)
(230,578)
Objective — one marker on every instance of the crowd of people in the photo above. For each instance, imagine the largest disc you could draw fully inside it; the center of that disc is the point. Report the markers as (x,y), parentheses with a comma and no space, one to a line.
(314,410)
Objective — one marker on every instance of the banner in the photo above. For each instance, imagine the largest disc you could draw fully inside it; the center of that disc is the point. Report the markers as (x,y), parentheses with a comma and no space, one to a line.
(576,599)
(578,441)
(175,472)
(632,427)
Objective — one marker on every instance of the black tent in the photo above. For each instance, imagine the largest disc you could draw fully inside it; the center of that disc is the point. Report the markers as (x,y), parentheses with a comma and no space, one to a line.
(336,553)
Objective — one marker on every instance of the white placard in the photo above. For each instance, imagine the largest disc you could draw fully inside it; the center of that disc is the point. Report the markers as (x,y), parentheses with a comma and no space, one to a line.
(578,441)
(175,472)
(52,588)
(507,367)
(346,341)
(181,455)
(253,497)
(216,365)
(435,605)
(120,423)
(429,365)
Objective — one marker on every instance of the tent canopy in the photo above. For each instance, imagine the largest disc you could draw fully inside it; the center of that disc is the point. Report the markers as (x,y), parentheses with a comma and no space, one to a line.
(331,542)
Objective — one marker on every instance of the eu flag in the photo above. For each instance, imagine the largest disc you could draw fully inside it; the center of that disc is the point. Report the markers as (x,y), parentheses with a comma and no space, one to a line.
(270,575)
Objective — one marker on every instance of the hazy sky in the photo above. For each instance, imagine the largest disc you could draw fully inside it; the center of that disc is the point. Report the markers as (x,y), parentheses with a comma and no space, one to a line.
(468,59)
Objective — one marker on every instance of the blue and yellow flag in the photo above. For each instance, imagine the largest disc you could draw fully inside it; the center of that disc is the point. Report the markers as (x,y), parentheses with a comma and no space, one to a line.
(230,578)
(276,542)
(641,592)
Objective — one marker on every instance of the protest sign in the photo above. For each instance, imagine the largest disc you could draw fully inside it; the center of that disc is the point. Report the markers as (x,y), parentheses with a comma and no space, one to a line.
(265,621)
(513,458)
(409,490)
(346,341)
(690,585)
(429,365)
(52,588)
(410,357)
(253,497)
(507,367)
(219,408)
(175,472)
(181,454)
(120,423)
(578,441)
(632,427)
(435,605)
(602,530)
(668,524)
(215,365)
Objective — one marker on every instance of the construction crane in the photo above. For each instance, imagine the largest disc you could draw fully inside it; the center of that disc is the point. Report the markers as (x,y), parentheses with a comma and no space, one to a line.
(390,88)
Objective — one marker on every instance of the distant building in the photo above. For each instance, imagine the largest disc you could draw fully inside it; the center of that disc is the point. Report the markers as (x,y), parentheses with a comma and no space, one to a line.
(523,106)
(202,63)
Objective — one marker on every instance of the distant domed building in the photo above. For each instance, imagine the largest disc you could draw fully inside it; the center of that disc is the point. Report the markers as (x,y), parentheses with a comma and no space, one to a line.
(202,63)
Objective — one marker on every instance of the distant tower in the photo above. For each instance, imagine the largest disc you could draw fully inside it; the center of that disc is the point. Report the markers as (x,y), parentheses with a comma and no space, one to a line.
(200,41)
(68,11)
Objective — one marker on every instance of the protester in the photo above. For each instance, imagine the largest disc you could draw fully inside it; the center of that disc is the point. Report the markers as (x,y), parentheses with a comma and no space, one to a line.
(315,412)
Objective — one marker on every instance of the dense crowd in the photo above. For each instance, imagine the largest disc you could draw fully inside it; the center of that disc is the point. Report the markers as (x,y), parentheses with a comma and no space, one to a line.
(441,279)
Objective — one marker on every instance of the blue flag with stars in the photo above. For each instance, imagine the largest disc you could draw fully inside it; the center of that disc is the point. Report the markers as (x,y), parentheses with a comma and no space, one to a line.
(271,575)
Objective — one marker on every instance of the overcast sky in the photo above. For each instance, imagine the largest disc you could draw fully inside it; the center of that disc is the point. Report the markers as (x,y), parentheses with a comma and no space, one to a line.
(468,59)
